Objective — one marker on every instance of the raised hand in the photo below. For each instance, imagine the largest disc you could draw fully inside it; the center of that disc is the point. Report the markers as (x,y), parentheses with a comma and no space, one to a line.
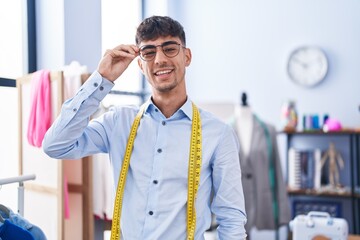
(115,61)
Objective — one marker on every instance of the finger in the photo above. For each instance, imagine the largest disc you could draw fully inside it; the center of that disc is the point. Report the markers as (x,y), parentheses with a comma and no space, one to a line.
(123,53)
(107,52)
(132,49)
(116,54)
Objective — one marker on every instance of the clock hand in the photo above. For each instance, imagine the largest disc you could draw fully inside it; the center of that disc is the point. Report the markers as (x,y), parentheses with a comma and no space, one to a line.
(304,65)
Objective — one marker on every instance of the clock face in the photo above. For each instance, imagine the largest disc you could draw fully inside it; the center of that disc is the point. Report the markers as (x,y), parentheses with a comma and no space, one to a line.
(307,66)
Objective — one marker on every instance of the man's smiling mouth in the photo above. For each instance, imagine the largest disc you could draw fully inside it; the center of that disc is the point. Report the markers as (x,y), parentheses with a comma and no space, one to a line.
(163,72)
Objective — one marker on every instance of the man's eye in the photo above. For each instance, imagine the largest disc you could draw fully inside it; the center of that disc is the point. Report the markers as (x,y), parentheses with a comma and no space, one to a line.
(149,53)
(170,50)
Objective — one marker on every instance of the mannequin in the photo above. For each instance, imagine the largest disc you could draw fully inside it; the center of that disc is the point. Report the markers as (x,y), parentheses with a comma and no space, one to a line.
(266,200)
(244,124)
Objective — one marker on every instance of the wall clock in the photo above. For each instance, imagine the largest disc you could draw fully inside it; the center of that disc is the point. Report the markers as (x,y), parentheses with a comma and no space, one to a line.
(307,66)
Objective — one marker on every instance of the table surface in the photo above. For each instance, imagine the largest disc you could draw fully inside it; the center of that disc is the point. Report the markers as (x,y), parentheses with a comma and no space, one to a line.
(354,237)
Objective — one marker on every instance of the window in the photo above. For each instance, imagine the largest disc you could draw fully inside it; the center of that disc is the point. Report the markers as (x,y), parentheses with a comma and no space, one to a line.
(119,22)
(13,41)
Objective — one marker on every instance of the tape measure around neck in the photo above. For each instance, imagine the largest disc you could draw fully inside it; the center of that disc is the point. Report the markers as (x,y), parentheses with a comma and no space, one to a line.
(195,156)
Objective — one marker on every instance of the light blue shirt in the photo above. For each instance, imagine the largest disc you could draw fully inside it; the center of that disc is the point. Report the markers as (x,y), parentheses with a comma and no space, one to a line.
(155,197)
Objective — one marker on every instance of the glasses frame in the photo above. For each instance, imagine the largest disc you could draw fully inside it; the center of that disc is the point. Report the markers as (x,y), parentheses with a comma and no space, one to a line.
(164,44)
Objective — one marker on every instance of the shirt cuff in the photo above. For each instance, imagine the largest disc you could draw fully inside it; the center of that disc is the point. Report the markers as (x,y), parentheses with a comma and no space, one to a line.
(97,86)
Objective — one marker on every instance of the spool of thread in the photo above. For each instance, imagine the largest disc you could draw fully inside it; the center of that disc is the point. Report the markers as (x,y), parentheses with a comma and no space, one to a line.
(309,122)
(315,122)
(325,118)
(304,122)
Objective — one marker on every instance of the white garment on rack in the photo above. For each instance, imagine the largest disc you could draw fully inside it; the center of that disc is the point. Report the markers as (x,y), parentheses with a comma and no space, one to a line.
(103,182)
(103,187)
(72,78)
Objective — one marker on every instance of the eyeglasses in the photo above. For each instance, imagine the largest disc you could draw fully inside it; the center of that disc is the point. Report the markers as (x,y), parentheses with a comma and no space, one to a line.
(170,49)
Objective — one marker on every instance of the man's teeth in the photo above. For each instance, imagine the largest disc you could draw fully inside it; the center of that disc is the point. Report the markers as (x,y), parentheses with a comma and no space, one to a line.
(162,72)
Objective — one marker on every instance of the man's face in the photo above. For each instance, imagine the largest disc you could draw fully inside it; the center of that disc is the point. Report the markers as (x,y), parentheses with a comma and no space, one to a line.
(164,73)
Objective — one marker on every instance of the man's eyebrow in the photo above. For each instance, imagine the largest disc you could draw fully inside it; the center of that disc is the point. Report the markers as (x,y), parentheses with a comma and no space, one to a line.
(147,46)
(153,46)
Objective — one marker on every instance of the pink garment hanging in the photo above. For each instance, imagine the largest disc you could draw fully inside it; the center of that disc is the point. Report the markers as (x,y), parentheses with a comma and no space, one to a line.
(40,112)
(66,199)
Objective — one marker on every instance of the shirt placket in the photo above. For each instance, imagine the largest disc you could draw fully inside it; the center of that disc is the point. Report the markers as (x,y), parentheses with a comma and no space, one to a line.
(160,151)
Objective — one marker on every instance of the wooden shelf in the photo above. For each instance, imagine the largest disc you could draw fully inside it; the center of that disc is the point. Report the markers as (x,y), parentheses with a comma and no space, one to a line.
(350,193)
(320,193)
(357,195)
(321,132)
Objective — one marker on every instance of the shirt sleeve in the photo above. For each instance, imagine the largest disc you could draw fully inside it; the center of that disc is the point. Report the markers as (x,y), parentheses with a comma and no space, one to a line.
(228,202)
(71,136)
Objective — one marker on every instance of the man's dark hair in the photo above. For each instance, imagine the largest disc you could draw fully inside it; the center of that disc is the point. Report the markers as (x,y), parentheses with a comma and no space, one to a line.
(158,26)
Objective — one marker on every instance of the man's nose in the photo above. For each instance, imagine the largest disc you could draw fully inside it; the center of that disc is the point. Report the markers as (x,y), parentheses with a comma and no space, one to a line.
(160,56)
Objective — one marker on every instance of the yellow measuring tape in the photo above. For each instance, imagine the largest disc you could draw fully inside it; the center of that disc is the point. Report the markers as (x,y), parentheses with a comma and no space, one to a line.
(193,175)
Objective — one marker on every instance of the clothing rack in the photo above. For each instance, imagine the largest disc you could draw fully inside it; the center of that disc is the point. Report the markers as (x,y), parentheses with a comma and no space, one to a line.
(142,94)
(20,180)
(7,82)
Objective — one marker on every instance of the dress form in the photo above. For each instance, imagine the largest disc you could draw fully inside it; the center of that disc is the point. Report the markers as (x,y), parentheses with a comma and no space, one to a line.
(244,124)
(258,165)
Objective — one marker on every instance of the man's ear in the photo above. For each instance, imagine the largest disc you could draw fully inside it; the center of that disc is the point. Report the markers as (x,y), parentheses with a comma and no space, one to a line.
(188,57)
(140,65)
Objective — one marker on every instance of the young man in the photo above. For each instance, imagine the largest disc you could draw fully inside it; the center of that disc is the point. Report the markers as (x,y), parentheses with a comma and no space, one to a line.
(183,163)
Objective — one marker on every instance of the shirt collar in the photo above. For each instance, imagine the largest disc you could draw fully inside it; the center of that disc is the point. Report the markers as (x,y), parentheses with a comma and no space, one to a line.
(185,109)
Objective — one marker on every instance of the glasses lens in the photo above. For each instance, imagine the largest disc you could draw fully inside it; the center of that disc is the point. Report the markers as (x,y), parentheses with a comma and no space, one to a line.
(171,49)
(148,53)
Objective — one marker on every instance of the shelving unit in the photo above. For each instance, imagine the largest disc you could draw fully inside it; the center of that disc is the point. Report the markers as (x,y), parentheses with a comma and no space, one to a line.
(341,203)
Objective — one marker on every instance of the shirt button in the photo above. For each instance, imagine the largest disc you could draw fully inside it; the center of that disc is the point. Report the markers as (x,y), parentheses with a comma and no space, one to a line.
(155,182)
(156,110)
(151,212)
(101,88)
(96,84)
(163,123)
(74,109)
(159,150)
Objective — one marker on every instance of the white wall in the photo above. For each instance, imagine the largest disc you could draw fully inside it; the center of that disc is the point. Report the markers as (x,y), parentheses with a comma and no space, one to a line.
(68,31)
(9,160)
(12,65)
(83,32)
(244,45)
